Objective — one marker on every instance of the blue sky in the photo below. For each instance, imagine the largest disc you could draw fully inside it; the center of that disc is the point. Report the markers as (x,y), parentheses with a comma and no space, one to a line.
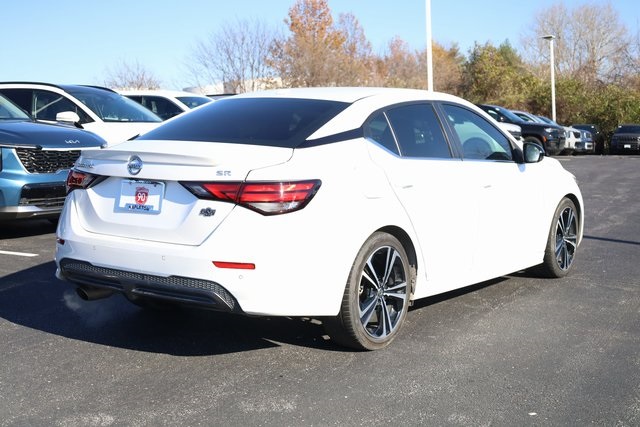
(67,41)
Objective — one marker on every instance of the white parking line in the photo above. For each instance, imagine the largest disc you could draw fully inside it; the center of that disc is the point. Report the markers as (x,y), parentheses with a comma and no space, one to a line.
(17,253)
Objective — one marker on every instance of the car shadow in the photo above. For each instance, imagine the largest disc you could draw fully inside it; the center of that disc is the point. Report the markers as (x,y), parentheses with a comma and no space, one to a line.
(428,301)
(33,298)
(26,228)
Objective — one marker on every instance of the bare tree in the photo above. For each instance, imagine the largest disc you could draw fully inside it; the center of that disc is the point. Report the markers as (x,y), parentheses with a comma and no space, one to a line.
(130,76)
(591,43)
(235,56)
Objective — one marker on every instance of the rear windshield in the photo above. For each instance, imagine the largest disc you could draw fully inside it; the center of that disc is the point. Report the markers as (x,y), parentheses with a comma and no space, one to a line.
(277,122)
(628,129)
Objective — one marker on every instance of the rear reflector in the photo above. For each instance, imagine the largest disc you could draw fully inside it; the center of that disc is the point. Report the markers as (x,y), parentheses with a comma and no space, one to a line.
(235,265)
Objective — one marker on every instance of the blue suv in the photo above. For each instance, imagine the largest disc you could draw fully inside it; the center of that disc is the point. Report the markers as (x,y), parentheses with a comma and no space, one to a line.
(35,159)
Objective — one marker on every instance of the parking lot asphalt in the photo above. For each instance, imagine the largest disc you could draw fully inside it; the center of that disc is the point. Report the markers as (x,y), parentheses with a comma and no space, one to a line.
(513,351)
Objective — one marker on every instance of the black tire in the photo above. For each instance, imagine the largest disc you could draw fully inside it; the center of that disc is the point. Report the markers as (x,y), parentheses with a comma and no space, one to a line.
(376,297)
(562,242)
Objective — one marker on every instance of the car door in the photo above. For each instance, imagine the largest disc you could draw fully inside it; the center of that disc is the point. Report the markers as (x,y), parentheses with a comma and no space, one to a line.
(432,188)
(508,193)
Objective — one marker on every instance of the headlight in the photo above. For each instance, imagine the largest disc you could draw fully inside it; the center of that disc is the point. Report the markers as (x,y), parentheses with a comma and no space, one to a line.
(549,130)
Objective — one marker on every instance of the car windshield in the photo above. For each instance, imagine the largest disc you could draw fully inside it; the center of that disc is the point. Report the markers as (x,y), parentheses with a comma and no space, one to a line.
(511,116)
(628,129)
(10,111)
(111,106)
(193,101)
(277,122)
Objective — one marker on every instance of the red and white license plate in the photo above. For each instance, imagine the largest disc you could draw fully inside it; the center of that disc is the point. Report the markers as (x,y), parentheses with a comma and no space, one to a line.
(140,196)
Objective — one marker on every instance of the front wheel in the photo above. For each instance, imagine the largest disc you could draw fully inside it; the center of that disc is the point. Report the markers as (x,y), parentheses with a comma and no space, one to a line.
(562,241)
(376,297)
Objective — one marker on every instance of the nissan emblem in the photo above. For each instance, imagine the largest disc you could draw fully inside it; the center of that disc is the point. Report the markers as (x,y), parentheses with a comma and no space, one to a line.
(135,165)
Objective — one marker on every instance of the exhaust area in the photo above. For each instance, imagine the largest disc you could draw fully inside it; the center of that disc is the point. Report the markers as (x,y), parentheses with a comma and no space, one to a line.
(90,293)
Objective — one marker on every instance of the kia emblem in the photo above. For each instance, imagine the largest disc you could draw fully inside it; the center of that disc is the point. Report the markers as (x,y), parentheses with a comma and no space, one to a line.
(135,165)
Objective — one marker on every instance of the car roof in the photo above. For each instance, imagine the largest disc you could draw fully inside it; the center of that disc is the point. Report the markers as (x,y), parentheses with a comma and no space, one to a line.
(349,94)
(160,92)
(64,87)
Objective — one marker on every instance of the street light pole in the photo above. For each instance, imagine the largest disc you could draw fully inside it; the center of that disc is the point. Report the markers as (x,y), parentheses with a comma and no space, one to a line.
(550,38)
(429,48)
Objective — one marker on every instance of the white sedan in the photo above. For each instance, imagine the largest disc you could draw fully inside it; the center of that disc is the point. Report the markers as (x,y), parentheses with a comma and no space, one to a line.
(344,204)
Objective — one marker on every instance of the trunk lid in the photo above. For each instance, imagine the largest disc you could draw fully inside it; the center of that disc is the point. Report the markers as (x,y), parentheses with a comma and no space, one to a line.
(152,204)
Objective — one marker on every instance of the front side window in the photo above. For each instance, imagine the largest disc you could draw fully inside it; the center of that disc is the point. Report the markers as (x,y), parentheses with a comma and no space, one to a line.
(111,106)
(10,111)
(418,131)
(47,105)
(480,140)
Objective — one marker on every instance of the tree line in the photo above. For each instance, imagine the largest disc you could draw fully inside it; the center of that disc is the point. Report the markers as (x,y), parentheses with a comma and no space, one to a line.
(596,61)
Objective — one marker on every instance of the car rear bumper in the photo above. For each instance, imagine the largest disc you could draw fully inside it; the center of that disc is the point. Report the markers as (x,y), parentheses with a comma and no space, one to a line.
(177,289)
(32,201)
(585,147)
(625,147)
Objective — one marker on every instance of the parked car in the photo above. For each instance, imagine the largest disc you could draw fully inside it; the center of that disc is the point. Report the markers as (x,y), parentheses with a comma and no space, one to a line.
(625,139)
(551,137)
(35,159)
(586,144)
(573,135)
(527,117)
(100,110)
(166,103)
(269,203)
(514,130)
(600,145)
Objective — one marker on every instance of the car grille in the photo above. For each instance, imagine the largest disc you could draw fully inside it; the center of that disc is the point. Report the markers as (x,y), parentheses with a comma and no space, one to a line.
(46,161)
(620,143)
(176,288)
(45,196)
(627,139)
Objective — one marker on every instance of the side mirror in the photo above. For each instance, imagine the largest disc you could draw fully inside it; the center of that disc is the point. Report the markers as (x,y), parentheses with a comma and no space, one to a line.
(533,153)
(68,117)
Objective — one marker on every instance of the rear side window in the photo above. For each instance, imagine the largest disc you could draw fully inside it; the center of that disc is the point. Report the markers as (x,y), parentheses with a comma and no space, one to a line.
(418,131)
(163,107)
(278,122)
(379,130)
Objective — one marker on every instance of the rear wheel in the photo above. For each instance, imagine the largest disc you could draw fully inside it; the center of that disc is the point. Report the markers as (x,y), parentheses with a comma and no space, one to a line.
(376,296)
(562,242)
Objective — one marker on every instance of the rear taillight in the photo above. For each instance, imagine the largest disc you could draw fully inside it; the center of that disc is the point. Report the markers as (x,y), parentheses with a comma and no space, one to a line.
(79,180)
(267,198)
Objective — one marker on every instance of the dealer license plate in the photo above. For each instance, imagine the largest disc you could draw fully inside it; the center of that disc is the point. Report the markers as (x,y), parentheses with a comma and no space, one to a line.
(140,196)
